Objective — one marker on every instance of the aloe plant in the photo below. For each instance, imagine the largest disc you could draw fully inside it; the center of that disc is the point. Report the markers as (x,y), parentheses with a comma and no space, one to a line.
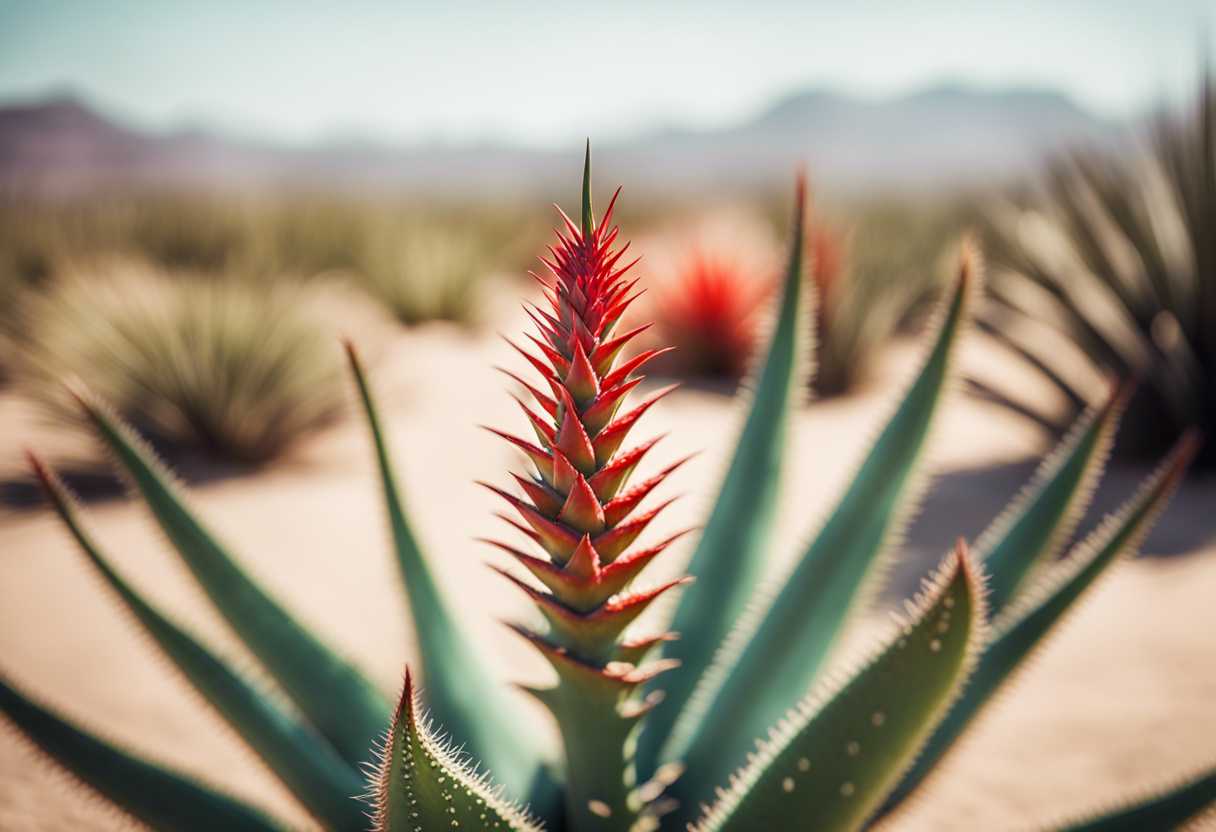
(1117,254)
(752,733)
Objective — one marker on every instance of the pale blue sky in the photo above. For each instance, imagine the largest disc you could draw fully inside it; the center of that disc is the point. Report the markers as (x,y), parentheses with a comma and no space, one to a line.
(549,73)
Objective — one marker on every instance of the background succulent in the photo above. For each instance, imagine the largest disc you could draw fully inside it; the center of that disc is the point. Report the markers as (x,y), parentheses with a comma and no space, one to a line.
(1117,255)
(830,759)
(707,288)
(219,363)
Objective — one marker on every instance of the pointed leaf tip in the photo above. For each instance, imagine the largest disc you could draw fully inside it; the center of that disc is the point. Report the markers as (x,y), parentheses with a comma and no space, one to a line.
(588,215)
(421,784)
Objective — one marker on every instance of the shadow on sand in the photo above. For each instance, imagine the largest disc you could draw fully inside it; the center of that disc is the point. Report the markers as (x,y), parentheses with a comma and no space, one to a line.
(963,503)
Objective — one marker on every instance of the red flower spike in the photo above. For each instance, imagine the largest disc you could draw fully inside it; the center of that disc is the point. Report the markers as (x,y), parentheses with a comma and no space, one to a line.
(608,213)
(612,543)
(544,430)
(563,473)
(619,508)
(572,440)
(575,232)
(616,576)
(600,413)
(633,562)
(595,633)
(581,381)
(612,477)
(585,564)
(582,336)
(547,404)
(550,325)
(582,511)
(544,369)
(551,335)
(583,594)
(557,540)
(621,373)
(635,651)
(590,570)
(541,496)
(579,595)
(540,458)
(609,350)
(561,364)
(522,529)
(622,677)
(611,437)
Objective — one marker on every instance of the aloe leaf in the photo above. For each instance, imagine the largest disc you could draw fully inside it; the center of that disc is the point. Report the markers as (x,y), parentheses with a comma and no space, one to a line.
(830,765)
(1020,629)
(1161,812)
(313,771)
(423,786)
(165,801)
(1028,535)
(348,711)
(460,693)
(768,663)
(730,555)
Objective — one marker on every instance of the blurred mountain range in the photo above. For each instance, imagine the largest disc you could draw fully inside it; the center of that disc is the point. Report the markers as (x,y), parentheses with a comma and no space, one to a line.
(946,138)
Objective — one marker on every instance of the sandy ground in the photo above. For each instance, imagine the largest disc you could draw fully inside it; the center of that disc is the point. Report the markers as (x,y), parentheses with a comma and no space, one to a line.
(1124,696)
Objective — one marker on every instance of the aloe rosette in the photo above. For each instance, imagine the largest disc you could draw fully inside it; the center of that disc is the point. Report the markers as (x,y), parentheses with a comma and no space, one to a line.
(742,724)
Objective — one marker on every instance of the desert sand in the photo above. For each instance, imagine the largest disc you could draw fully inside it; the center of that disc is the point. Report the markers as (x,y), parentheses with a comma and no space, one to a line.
(1123,697)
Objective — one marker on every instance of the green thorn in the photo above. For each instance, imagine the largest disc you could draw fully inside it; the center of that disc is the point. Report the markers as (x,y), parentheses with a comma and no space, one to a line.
(588,217)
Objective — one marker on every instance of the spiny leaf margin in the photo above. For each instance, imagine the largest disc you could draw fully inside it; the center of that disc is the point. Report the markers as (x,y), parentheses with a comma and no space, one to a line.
(320,779)
(422,784)
(731,552)
(164,800)
(343,705)
(754,679)
(841,743)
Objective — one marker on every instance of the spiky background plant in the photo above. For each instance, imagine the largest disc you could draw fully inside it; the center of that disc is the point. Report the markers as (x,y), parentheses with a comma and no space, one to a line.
(1119,255)
(707,287)
(213,362)
(833,759)
(423,270)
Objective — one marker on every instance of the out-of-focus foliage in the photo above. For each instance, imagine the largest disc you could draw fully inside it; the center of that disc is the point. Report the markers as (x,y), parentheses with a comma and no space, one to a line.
(399,251)
(421,271)
(238,368)
(707,287)
(709,284)
(1119,255)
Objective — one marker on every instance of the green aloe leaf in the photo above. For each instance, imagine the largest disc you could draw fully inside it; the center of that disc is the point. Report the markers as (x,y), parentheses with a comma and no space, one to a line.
(423,786)
(1020,629)
(1161,812)
(165,801)
(348,711)
(768,663)
(1029,534)
(313,771)
(830,765)
(460,692)
(730,555)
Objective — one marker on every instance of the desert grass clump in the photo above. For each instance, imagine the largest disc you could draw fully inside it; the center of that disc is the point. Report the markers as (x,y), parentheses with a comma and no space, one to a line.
(225,365)
(423,269)
(755,732)
(1117,254)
